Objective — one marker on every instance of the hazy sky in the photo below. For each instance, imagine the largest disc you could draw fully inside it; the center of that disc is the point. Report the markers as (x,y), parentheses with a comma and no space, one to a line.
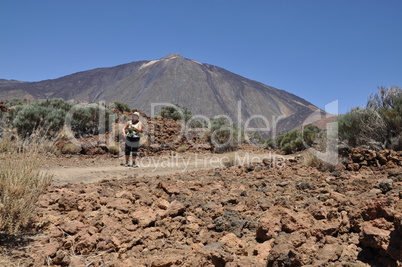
(320,50)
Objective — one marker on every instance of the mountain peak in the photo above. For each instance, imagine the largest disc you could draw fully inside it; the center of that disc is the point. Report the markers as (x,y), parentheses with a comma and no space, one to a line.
(205,90)
(171,56)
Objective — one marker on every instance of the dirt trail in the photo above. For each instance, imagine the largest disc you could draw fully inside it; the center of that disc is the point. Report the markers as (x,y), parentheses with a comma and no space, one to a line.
(89,170)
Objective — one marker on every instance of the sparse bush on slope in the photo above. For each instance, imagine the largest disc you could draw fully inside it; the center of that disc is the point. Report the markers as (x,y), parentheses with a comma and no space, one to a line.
(122,107)
(376,126)
(175,112)
(295,140)
(223,135)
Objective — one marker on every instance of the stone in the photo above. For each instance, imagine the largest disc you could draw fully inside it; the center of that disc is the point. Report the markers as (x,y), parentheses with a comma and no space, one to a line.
(144,217)
(72,227)
(216,254)
(262,250)
(176,208)
(169,188)
(233,244)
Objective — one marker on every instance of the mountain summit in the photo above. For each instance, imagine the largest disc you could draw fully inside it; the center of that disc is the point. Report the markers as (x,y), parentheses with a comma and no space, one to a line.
(204,89)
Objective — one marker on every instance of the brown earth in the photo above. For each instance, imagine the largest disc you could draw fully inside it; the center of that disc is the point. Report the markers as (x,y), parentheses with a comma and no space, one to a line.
(271,213)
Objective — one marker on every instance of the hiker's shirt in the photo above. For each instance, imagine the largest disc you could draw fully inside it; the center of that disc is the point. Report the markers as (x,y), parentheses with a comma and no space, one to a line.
(132,130)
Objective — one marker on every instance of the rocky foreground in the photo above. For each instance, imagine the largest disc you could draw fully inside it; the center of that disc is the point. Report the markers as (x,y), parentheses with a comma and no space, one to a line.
(256,215)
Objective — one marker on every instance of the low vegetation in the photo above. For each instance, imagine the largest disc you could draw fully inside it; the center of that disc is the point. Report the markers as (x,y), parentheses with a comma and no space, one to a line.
(230,160)
(378,125)
(51,114)
(175,112)
(114,149)
(122,107)
(295,140)
(182,148)
(223,135)
(71,148)
(21,183)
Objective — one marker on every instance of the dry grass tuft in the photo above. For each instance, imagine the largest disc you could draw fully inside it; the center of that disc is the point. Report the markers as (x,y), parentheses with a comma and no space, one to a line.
(114,149)
(70,148)
(229,160)
(21,181)
(182,148)
(7,261)
(145,142)
(309,159)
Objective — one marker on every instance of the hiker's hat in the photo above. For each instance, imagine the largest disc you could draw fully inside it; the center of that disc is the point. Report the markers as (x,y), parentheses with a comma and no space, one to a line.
(136,114)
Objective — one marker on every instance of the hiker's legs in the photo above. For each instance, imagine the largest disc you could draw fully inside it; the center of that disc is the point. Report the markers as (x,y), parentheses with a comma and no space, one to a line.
(127,152)
(135,151)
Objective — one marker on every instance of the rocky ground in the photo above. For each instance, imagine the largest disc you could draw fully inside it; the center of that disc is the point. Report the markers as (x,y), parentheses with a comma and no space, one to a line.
(263,214)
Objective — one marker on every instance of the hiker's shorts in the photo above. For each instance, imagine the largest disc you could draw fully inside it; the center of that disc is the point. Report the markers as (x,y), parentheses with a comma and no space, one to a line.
(132,145)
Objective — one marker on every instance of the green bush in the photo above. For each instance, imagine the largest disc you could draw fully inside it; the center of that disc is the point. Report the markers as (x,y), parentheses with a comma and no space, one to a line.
(122,107)
(46,114)
(291,142)
(224,136)
(85,119)
(295,140)
(269,143)
(51,115)
(175,112)
(16,102)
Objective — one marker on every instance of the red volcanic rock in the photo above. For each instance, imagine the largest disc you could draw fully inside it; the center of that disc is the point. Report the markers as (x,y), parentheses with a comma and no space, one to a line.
(169,188)
(175,208)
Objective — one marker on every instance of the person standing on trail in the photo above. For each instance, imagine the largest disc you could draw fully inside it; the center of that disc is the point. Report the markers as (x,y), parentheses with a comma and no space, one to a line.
(131,133)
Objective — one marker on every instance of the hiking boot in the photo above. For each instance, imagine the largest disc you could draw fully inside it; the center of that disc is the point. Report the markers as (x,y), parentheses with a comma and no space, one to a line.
(127,165)
(134,166)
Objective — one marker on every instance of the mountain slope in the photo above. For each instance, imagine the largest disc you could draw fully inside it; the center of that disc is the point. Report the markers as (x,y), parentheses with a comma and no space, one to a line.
(203,88)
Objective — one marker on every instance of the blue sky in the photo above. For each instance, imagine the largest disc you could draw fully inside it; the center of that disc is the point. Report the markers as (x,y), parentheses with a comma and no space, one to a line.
(320,50)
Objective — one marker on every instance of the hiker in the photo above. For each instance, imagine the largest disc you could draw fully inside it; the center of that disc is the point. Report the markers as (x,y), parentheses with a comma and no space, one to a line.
(131,133)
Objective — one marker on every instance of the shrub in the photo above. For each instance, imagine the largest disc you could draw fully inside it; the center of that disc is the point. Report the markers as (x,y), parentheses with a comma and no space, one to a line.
(145,142)
(229,161)
(175,112)
(362,126)
(376,126)
(70,148)
(46,114)
(311,160)
(114,149)
(85,119)
(310,134)
(21,185)
(51,115)
(269,143)
(122,107)
(17,102)
(296,140)
(182,148)
(117,129)
(223,135)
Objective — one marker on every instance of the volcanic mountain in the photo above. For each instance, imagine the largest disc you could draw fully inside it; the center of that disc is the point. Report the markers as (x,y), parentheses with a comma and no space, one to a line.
(204,89)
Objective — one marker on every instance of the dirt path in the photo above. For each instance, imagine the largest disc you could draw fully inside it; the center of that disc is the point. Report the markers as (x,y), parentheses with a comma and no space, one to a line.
(77,170)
